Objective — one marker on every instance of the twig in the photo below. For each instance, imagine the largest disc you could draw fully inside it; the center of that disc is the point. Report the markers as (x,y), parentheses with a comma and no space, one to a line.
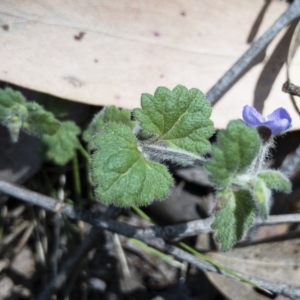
(197,227)
(75,259)
(130,231)
(3,216)
(57,222)
(121,257)
(227,80)
(68,266)
(178,231)
(24,239)
(15,213)
(291,88)
(9,238)
(21,243)
(293,161)
(41,251)
(41,218)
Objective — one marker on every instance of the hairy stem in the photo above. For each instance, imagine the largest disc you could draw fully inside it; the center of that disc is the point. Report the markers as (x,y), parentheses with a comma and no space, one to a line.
(181,157)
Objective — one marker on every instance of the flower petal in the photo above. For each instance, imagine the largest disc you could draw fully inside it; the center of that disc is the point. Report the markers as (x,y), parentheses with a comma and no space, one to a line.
(278,126)
(278,121)
(251,116)
(279,114)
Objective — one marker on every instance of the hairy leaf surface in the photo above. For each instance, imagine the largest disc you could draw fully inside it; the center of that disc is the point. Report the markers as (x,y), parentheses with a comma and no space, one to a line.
(61,147)
(236,148)
(235,216)
(39,121)
(13,111)
(109,114)
(121,173)
(179,118)
(275,180)
(9,97)
(262,196)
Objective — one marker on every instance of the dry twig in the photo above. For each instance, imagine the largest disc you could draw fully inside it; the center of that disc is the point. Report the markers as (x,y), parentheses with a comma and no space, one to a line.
(228,79)
(291,88)
(75,259)
(148,236)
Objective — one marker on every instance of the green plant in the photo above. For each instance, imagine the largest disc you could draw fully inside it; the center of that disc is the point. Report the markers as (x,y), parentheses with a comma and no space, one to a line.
(127,156)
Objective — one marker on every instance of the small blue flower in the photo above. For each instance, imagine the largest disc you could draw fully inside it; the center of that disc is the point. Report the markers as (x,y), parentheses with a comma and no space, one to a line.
(278,121)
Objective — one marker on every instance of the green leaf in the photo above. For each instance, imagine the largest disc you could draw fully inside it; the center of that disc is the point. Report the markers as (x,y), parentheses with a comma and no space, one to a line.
(4,113)
(121,173)
(18,114)
(275,180)
(235,216)
(262,196)
(179,118)
(61,147)
(14,125)
(109,114)
(236,148)
(9,97)
(266,181)
(13,111)
(14,119)
(39,121)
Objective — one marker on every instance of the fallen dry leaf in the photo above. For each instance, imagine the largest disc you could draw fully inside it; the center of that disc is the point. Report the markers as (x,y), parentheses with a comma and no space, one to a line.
(110,52)
(274,261)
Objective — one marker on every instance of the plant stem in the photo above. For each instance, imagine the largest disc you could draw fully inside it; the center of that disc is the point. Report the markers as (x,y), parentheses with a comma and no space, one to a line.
(218,266)
(76,178)
(164,257)
(146,235)
(144,216)
(177,156)
(204,257)
(262,156)
(84,153)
